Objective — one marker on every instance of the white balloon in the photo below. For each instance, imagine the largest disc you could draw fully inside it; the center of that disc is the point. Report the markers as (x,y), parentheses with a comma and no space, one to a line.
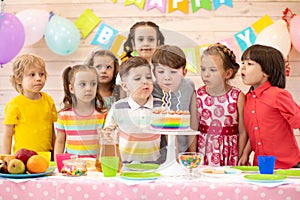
(276,35)
(34,22)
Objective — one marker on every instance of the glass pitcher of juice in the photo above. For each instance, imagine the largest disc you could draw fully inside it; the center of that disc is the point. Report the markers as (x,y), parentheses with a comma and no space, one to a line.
(108,152)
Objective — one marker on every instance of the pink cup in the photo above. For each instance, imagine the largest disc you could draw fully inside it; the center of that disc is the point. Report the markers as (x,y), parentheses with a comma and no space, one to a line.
(60,158)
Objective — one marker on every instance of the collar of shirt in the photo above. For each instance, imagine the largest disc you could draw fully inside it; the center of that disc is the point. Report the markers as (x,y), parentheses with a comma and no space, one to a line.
(134,106)
(258,91)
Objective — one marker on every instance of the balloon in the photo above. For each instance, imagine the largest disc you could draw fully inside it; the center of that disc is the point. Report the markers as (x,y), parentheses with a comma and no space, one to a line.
(295,32)
(276,35)
(12,37)
(62,36)
(34,22)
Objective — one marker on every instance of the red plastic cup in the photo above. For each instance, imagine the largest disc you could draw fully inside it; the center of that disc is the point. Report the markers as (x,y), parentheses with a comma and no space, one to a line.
(60,158)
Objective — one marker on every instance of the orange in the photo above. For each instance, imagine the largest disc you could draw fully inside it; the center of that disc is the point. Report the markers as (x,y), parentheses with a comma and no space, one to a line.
(37,164)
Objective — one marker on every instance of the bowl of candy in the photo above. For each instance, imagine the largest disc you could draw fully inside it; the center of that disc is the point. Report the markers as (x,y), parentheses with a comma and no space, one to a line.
(74,167)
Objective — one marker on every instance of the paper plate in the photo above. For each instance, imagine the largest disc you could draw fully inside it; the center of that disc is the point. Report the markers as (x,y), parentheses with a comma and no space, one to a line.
(265,178)
(227,172)
(142,166)
(49,171)
(290,173)
(140,175)
(247,169)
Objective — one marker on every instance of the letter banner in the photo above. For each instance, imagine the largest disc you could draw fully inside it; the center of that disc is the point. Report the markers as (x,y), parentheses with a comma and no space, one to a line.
(139,3)
(87,22)
(105,36)
(262,23)
(191,64)
(117,46)
(229,42)
(197,4)
(218,3)
(245,38)
(159,4)
(178,5)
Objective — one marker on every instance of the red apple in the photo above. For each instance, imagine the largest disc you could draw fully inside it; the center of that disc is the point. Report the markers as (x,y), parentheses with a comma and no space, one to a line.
(24,154)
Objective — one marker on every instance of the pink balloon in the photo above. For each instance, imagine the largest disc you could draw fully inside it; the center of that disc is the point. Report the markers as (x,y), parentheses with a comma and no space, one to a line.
(34,22)
(295,32)
(12,37)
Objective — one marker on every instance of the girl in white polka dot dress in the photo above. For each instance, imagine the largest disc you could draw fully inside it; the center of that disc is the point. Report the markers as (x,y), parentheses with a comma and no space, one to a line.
(220,109)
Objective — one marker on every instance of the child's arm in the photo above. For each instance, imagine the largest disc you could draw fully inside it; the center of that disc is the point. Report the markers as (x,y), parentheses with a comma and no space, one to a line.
(243,137)
(192,139)
(244,159)
(60,142)
(7,139)
(53,136)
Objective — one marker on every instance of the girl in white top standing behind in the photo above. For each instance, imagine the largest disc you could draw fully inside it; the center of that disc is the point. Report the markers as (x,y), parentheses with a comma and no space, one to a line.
(107,66)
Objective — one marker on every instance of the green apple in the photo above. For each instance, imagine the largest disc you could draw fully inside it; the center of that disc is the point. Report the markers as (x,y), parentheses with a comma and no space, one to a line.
(16,166)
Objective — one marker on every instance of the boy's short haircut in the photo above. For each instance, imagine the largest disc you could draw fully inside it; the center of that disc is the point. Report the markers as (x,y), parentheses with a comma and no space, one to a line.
(171,56)
(130,63)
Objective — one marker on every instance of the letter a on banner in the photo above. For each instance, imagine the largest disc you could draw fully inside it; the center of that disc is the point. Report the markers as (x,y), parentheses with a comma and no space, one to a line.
(105,36)
(159,4)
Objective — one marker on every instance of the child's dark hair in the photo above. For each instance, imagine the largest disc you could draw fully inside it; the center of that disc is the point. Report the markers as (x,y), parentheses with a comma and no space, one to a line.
(22,63)
(131,63)
(171,56)
(128,48)
(68,77)
(90,62)
(227,56)
(271,61)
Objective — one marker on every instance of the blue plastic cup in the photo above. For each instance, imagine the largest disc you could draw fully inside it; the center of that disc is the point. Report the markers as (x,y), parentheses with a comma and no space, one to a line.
(266,164)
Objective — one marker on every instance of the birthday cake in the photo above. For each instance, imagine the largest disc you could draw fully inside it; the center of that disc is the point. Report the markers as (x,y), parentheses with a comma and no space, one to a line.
(170,120)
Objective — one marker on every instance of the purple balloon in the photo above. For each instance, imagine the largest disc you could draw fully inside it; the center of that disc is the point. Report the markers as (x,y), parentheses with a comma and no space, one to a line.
(12,37)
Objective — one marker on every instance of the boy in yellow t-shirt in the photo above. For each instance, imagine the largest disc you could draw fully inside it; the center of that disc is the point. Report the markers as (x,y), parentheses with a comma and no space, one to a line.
(29,117)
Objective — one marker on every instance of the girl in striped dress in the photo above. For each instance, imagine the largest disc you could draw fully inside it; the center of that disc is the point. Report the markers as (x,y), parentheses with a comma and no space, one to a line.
(81,114)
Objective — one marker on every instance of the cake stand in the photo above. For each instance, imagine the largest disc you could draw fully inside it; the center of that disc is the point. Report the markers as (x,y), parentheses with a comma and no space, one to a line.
(171,167)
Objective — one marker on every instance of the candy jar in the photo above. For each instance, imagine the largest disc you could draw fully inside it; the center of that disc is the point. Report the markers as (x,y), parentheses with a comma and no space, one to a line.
(74,167)
(108,149)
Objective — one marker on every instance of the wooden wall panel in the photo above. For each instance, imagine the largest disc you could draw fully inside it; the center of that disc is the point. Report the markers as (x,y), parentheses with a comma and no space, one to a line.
(185,30)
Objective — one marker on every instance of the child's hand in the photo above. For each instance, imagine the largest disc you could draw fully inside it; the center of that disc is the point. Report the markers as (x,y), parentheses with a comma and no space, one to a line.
(244,161)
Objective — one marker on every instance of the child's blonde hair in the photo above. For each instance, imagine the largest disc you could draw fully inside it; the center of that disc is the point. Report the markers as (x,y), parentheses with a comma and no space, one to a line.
(22,63)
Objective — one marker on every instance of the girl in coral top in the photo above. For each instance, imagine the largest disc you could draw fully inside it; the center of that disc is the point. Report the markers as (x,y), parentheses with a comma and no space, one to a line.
(270,112)
(220,109)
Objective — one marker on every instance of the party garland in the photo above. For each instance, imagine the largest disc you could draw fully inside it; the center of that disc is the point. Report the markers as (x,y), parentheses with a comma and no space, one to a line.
(181,5)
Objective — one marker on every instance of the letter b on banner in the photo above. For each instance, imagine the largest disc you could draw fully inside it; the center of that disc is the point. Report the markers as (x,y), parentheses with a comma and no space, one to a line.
(105,36)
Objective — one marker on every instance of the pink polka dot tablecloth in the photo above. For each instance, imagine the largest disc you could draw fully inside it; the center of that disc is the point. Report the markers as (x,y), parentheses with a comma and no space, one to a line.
(94,186)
